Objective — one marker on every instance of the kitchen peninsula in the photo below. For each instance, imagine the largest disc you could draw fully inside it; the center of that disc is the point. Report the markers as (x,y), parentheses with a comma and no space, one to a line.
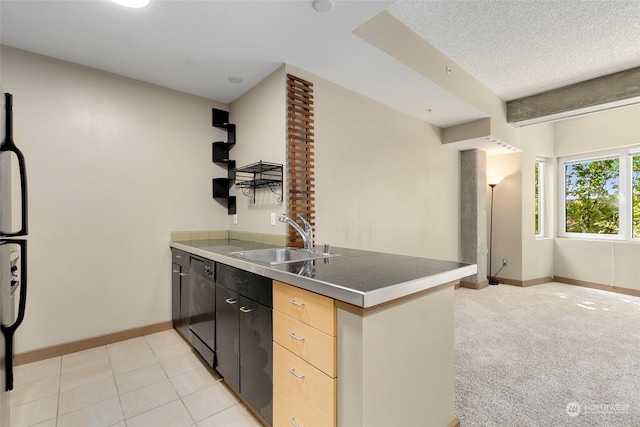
(388,335)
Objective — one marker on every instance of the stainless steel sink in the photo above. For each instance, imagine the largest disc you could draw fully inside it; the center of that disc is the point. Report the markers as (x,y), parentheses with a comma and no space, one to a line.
(275,256)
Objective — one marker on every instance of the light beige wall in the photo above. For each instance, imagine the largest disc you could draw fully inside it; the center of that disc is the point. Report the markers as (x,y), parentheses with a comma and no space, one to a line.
(604,262)
(537,253)
(381,179)
(507,215)
(260,118)
(599,131)
(384,182)
(113,166)
(382,386)
(514,238)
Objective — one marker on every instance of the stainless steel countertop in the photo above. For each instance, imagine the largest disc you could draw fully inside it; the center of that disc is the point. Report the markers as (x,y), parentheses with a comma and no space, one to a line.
(362,278)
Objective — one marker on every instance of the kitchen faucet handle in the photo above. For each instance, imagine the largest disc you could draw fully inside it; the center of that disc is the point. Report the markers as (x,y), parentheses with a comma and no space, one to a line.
(309,232)
(307,226)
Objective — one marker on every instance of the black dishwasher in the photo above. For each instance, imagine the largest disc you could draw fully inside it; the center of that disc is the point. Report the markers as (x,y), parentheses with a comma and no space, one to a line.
(244,336)
(202,305)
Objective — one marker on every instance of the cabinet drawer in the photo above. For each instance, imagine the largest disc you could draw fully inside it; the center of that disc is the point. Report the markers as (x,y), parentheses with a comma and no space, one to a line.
(285,413)
(312,345)
(314,393)
(180,257)
(307,307)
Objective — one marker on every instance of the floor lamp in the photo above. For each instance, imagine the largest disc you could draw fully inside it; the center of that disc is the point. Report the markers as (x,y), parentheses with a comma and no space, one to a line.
(492,181)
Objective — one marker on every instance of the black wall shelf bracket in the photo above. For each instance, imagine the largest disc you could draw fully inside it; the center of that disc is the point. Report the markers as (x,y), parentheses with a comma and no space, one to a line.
(260,175)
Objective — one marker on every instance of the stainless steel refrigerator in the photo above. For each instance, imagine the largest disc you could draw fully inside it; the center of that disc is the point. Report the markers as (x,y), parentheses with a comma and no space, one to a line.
(13,251)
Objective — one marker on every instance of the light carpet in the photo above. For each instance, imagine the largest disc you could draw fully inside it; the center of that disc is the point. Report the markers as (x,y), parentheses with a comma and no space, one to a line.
(547,355)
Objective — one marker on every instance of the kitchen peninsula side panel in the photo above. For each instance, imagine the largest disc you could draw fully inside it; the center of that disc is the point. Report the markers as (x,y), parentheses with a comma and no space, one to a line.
(395,362)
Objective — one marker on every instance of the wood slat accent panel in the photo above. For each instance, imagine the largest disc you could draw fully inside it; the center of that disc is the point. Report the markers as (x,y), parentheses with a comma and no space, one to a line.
(301,97)
(302,107)
(302,118)
(293,150)
(298,123)
(300,155)
(297,140)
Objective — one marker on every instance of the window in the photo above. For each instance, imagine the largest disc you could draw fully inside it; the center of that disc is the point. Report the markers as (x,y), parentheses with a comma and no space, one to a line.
(540,196)
(594,195)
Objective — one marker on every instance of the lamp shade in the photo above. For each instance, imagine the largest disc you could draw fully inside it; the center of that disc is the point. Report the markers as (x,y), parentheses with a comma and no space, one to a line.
(492,181)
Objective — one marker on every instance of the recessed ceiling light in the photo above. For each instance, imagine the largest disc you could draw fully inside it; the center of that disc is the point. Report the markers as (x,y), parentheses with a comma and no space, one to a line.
(322,6)
(235,79)
(134,4)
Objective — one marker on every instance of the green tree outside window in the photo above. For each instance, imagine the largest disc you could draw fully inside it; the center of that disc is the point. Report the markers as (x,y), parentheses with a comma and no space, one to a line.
(592,196)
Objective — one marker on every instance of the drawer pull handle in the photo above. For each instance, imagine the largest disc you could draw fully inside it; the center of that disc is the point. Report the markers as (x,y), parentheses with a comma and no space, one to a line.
(293,335)
(176,271)
(245,309)
(184,274)
(230,301)
(293,423)
(293,372)
(297,304)
(179,256)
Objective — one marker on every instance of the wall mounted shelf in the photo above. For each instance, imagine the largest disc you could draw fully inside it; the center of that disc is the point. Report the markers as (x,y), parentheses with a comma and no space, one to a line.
(220,154)
(259,175)
(221,188)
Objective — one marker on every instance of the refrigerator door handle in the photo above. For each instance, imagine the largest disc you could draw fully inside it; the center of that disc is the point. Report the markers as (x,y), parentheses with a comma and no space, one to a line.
(9,331)
(8,145)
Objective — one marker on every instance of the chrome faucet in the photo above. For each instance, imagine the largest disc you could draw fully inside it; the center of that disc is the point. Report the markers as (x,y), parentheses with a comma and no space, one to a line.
(306,234)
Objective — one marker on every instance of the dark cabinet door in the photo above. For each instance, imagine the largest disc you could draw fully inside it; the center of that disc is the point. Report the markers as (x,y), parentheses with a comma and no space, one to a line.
(256,349)
(183,327)
(180,291)
(227,336)
(180,299)
(175,295)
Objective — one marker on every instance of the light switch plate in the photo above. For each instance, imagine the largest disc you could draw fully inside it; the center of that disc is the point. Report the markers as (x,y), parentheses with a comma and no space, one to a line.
(273,218)
(235,218)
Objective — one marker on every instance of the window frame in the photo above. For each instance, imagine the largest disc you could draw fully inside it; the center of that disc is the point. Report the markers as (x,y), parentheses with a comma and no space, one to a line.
(541,169)
(631,153)
(625,194)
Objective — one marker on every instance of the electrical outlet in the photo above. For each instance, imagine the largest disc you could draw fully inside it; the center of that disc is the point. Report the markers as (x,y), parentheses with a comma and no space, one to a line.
(504,262)
(273,218)
(235,218)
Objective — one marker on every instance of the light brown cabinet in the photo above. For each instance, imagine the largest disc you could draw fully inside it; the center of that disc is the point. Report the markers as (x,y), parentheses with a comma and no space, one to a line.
(313,309)
(304,358)
(306,342)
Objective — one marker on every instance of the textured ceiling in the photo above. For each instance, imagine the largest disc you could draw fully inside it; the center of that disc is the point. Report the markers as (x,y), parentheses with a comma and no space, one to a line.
(195,46)
(519,48)
(516,48)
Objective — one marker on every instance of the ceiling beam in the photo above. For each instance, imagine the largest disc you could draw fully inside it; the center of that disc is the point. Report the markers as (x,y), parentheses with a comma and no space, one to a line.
(602,93)
(465,131)
(391,36)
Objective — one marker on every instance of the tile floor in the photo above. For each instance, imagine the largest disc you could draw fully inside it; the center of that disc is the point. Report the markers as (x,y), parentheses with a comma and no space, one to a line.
(154,380)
